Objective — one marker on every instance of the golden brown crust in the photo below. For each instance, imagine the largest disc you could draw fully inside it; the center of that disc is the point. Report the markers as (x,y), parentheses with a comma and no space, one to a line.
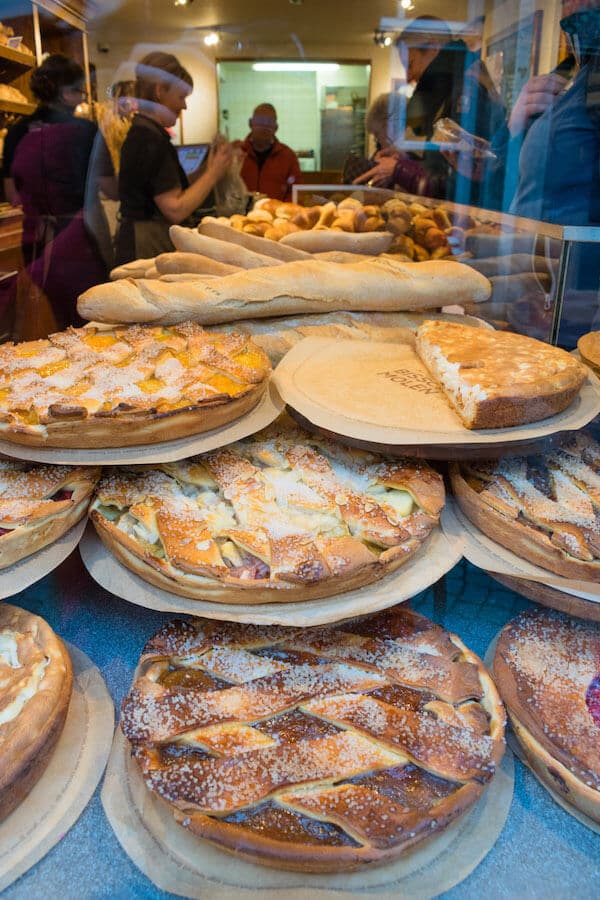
(28,739)
(29,518)
(278,517)
(562,540)
(589,348)
(126,386)
(545,666)
(498,379)
(317,749)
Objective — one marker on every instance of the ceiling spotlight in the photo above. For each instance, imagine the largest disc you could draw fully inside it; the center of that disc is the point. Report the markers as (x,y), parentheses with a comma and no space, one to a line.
(212,39)
(406,4)
(381,39)
(182,2)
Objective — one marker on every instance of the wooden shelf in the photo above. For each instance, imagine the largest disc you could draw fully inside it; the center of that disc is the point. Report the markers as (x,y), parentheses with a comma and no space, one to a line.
(14,63)
(21,109)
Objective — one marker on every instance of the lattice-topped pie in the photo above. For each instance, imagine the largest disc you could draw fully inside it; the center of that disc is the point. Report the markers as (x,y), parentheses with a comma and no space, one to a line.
(127,385)
(544,508)
(547,668)
(35,689)
(318,749)
(38,504)
(277,517)
(496,379)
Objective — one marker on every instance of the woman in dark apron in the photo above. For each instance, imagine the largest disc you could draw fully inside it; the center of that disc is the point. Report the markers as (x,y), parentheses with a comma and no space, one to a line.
(153,188)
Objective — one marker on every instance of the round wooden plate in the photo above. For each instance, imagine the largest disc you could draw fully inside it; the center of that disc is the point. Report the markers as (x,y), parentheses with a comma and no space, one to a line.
(549,596)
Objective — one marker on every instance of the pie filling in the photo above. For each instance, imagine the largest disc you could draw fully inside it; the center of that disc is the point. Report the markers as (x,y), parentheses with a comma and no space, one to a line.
(592,699)
(279,507)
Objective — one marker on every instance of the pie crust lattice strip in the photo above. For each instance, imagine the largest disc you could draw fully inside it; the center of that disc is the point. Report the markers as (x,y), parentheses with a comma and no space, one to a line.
(124,386)
(277,517)
(547,668)
(36,680)
(38,504)
(544,508)
(318,749)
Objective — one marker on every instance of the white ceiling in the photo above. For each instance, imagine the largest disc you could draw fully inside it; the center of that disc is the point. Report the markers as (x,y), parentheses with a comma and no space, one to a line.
(254,27)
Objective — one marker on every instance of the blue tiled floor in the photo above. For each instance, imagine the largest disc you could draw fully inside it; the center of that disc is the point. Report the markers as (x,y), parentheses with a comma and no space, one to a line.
(541,853)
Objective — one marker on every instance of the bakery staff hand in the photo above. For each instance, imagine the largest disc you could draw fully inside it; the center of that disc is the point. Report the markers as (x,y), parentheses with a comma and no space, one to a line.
(536,96)
(219,159)
(383,172)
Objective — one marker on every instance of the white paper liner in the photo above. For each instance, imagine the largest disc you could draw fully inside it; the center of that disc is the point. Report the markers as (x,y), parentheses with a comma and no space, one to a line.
(67,785)
(513,743)
(434,559)
(357,390)
(27,571)
(266,411)
(485,553)
(177,861)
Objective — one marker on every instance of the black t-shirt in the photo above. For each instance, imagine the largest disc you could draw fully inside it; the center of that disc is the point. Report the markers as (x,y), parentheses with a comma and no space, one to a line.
(149,166)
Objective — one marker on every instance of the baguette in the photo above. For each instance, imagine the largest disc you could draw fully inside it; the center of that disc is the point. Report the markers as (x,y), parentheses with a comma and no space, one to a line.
(215,229)
(306,287)
(183,263)
(370,243)
(135,269)
(189,240)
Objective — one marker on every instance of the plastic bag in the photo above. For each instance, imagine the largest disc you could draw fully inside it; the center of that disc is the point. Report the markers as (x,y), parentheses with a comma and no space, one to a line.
(231,193)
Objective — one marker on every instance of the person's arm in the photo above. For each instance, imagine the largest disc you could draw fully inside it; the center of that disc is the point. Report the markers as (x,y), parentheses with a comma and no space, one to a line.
(178,203)
(535,97)
(11,193)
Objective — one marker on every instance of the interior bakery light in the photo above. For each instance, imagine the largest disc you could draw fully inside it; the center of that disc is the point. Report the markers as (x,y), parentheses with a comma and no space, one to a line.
(295,67)
(212,39)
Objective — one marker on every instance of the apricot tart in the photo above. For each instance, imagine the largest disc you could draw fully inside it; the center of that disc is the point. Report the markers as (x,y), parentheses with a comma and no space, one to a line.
(128,385)
(277,517)
(544,508)
(547,669)
(496,379)
(35,690)
(318,749)
(38,504)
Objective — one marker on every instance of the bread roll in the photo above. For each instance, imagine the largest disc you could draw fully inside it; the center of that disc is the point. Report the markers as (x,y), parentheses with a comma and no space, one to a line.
(215,229)
(181,263)
(190,241)
(314,286)
(135,269)
(369,243)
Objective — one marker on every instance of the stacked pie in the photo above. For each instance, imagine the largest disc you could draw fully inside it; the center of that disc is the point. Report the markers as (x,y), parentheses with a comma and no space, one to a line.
(35,690)
(545,508)
(317,749)
(38,504)
(547,669)
(277,517)
(126,385)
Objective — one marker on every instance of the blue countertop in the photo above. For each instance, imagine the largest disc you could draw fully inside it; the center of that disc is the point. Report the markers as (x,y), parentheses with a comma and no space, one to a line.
(542,852)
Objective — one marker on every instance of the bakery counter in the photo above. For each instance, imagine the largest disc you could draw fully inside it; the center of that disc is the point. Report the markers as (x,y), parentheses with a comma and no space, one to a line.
(542,851)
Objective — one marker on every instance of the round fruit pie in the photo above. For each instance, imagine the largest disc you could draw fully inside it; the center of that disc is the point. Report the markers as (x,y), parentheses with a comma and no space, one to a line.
(317,749)
(547,668)
(126,385)
(277,517)
(38,504)
(35,690)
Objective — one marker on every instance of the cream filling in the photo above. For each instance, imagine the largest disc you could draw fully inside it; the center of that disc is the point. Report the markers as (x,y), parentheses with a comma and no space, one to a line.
(464,396)
(28,686)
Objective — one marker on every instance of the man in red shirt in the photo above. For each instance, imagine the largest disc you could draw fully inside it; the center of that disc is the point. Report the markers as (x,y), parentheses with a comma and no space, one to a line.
(270,167)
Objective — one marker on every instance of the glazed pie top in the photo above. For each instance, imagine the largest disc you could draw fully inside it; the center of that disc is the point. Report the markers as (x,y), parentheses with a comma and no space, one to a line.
(317,748)
(84,372)
(281,508)
(557,493)
(547,667)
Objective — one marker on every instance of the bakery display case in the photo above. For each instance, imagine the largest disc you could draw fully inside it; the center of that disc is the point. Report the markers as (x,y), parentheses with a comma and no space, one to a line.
(313,495)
